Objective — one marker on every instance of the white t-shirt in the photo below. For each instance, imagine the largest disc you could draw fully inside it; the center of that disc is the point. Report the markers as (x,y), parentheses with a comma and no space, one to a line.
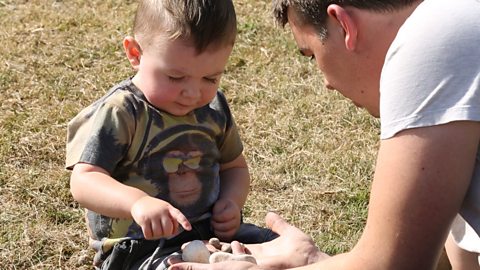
(431,76)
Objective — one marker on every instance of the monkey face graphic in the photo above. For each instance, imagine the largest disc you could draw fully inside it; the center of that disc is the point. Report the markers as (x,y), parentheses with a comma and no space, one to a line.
(184,186)
(185,171)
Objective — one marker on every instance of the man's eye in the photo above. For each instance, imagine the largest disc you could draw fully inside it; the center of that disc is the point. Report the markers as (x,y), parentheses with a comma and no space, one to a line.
(307,53)
(211,80)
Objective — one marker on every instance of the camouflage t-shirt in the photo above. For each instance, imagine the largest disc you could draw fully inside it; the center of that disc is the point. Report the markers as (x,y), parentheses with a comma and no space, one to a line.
(144,147)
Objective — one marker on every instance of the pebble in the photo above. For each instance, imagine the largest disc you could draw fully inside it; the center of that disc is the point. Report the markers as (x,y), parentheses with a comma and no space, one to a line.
(224,256)
(215,243)
(226,248)
(196,251)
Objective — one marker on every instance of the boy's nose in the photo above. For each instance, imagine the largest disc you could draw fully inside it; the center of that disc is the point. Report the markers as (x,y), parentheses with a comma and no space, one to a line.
(191,91)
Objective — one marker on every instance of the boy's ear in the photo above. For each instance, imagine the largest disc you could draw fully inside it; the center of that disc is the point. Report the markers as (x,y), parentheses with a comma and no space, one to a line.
(133,51)
(346,21)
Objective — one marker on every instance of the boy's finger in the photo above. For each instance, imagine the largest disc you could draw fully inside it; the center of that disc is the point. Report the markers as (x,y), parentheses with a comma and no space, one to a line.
(224,216)
(219,206)
(147,231)
(167,227)
(180,218)
(223,226)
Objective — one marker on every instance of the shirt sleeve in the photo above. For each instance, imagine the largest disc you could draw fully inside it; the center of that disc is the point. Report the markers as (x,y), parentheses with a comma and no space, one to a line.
(100,135)
(431,74)
(230,145)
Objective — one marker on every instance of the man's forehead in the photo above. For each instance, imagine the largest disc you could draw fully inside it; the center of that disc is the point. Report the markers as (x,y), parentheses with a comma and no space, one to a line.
(292,15)
(300,34)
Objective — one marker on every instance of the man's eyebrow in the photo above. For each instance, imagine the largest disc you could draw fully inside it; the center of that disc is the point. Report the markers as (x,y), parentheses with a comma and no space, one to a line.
(216,74)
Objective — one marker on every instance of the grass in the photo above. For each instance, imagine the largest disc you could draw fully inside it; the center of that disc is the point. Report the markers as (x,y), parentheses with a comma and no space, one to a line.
(311,153)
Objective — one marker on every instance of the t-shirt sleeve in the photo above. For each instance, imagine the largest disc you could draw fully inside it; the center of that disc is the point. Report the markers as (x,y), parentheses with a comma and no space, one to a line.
(230,145)
(431,74)
(99,135)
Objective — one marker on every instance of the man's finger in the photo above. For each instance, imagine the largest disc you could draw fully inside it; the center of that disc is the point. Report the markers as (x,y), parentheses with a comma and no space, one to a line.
(276,223)
(173,259)
(238,248)
(189,266)
(180,218)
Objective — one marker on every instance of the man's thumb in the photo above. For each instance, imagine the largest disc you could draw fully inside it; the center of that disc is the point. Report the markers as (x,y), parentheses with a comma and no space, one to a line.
(276,223)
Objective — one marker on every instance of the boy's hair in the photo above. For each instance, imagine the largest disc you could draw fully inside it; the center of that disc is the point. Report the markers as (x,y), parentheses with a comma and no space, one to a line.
(314,12)
(202,22)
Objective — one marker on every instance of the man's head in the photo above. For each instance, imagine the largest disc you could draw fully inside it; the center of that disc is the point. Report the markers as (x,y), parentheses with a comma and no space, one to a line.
(200,22)
(314,12)
(348,39)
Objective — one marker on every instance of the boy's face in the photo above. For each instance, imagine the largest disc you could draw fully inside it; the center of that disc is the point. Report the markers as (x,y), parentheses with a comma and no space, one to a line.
(174,78)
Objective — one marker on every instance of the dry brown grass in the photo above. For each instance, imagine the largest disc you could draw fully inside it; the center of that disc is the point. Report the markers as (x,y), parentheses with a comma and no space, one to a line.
(311,153)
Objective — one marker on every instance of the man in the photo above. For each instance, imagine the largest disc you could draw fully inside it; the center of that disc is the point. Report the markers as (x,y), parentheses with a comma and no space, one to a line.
(414,64)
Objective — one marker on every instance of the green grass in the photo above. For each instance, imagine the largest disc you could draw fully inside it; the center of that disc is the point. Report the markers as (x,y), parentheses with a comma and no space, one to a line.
(311,153)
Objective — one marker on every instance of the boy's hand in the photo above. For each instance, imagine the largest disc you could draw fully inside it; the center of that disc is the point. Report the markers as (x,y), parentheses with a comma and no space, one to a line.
(225,219)
(158,218)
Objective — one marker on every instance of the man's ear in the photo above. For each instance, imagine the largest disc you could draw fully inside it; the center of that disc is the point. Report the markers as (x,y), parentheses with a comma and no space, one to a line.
(346,21)
(133,51)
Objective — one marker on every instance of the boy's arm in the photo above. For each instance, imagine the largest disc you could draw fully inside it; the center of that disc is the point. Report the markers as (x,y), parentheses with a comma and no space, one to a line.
(234,187)
(235,181)
(96,190)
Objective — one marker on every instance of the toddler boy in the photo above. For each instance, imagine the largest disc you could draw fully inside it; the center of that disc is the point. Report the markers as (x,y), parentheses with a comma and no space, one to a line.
(158,160)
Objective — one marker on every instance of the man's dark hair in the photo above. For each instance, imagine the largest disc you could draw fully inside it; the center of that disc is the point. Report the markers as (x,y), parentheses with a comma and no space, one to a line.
(314,12)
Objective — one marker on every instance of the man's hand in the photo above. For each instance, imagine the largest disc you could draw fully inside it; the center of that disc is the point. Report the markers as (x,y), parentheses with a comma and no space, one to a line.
(158,218)
(292,248)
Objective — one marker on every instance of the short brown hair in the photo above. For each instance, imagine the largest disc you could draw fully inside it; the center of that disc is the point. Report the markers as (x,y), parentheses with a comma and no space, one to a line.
(314,12)
(202,22)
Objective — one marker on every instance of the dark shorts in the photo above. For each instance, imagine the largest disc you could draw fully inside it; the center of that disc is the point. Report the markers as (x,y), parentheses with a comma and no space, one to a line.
(141,254)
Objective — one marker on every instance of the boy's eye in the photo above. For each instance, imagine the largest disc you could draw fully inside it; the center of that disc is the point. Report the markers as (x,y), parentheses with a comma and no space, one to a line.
(175,79)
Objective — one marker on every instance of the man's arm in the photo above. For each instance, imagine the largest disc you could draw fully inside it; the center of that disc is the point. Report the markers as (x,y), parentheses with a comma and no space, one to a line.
(420,181)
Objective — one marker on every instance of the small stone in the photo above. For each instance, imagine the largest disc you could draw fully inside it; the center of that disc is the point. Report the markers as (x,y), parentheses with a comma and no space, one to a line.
(219,257)
(226,248)
(195,251)
(224,256)
(215,242)
(245,258)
